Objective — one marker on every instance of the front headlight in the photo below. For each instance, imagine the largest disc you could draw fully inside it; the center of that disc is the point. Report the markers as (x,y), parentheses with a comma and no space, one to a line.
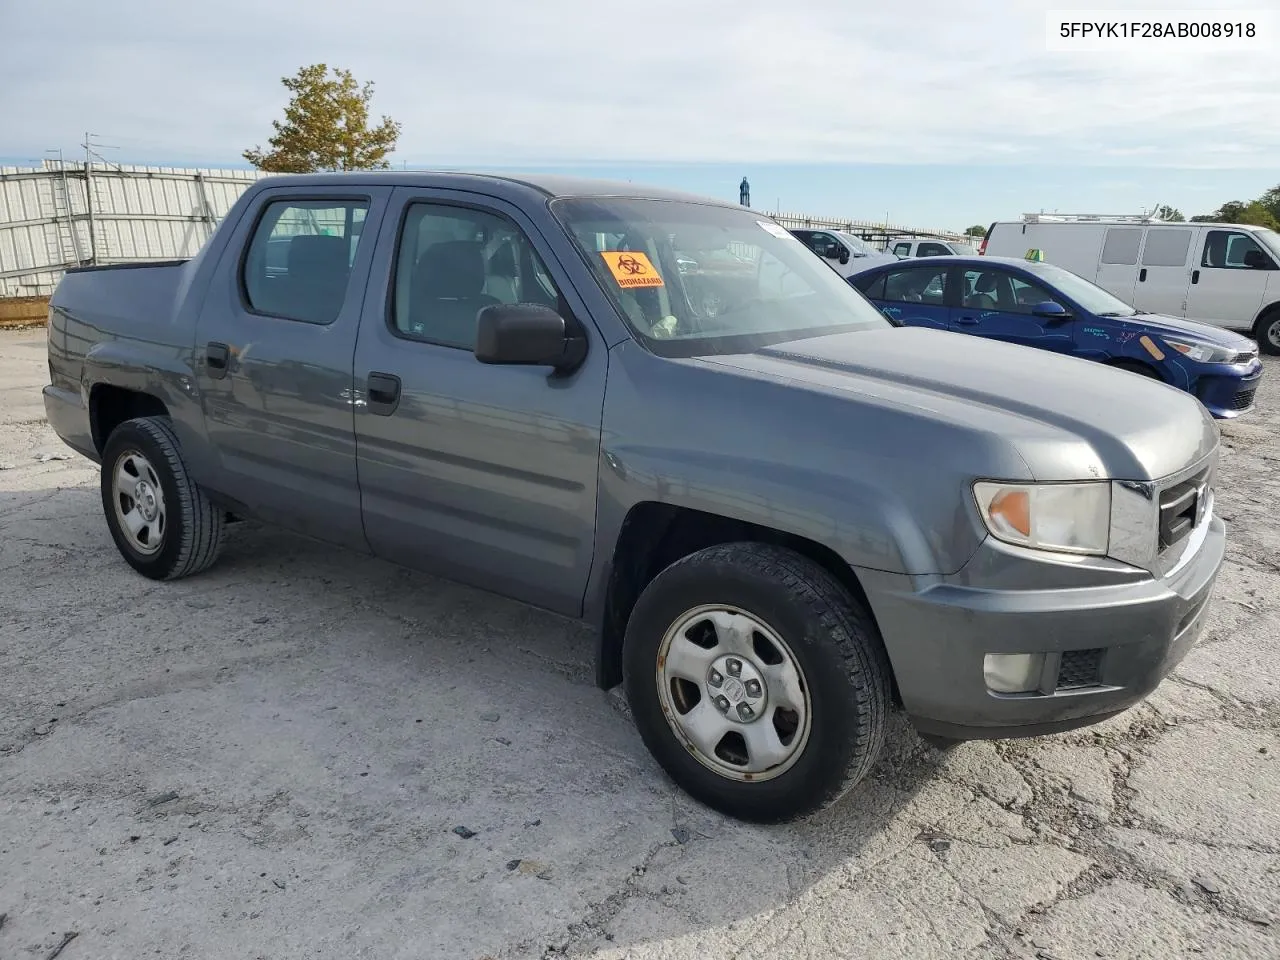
(1201,352)
(1065,517)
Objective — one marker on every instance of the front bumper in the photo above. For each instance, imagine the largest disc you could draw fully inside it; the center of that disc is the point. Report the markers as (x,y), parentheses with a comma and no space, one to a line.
(1228,395)
(1111,633)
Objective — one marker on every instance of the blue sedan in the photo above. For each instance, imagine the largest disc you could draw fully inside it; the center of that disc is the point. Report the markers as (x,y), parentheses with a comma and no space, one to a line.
(1040,305)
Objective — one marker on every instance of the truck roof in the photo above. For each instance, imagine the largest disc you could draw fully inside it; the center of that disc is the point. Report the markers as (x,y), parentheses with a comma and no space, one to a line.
(551,186)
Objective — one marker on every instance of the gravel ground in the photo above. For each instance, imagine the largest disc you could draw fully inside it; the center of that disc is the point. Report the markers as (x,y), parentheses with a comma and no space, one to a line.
(305,753)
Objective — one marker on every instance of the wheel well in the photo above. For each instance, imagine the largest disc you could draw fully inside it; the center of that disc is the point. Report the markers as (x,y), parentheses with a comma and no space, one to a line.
(1136,366)
(1264,313)
(111,406)
(656,535)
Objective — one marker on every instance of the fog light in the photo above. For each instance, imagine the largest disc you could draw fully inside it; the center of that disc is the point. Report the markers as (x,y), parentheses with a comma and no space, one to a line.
(1013,672)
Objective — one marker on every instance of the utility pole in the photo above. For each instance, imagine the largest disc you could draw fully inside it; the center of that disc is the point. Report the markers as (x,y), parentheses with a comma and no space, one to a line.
(88,198)
(89,154)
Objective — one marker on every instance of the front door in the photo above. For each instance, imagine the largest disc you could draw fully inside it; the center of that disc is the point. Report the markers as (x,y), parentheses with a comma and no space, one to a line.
(483,474)
(273,347)
(1163,273)
(1000,304)
(1228,279)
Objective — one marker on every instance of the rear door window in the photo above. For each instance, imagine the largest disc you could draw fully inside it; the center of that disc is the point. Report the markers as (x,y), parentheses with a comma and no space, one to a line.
(925,285)
(1166,248)
(1121,245)
(298,262)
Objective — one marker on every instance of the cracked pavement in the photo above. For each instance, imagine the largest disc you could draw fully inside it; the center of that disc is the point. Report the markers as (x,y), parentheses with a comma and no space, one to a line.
(270,761)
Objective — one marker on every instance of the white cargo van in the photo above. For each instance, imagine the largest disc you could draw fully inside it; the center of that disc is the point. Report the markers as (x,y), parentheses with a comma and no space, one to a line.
(1226,274)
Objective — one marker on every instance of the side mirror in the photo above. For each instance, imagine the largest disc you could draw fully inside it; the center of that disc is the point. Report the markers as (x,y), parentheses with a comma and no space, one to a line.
(1051,311)
(526,334)
(844,255)
(1257,260)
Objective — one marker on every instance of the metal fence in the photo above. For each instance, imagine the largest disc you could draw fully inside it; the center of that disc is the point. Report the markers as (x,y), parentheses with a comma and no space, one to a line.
(62,215)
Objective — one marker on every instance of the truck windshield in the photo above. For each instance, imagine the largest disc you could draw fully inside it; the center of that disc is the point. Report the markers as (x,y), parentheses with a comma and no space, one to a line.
(696,279)
(1087,294)
(859,247)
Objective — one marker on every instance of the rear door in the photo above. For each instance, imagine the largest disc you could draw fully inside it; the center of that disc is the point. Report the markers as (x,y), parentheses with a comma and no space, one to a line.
(1000,304)
(484,474)
(1163,272)
(914,295)
(274,342)
(1225,289)
(1117,269)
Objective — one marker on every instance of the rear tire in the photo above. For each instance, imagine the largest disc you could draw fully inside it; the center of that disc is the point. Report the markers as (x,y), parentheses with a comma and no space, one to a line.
(1267,332)
(161,521)
(754,626)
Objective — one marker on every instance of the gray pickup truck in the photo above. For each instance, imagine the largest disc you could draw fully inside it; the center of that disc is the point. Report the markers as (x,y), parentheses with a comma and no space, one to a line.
(664,415)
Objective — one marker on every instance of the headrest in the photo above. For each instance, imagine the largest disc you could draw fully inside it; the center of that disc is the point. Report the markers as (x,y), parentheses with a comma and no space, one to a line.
(503,261)
(315,254)
(451,270)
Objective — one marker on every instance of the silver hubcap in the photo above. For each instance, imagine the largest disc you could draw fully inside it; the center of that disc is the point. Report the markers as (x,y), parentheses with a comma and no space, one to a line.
(1273,332)
(139,502)
(733,693)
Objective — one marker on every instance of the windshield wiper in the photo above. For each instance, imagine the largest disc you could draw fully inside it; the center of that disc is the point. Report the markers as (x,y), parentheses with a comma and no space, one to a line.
(1117,313)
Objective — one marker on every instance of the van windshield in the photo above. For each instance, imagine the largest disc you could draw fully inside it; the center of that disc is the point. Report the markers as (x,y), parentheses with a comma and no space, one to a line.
(1087,294)
(696,279)
(1271,240)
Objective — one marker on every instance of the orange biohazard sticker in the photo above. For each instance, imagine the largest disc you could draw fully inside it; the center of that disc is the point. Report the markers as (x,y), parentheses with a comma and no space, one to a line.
(631,268)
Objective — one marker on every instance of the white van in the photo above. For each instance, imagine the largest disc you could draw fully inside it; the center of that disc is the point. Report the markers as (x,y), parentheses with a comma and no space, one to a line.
(1227,274)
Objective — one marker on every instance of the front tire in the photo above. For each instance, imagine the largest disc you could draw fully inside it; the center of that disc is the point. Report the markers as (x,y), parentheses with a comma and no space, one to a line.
(757,681)
(161,521)
(1267,332)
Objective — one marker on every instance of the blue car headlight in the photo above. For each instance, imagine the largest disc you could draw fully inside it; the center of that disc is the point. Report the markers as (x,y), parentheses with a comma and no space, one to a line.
(1201,352)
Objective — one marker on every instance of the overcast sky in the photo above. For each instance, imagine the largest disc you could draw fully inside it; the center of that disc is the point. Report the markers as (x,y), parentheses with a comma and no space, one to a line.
(751,83)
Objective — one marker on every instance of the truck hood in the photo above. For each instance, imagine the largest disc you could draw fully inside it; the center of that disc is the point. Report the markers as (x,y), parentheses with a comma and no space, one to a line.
(1069,419)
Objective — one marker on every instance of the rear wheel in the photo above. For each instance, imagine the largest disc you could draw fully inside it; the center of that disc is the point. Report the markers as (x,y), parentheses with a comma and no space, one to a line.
(1267,332)
(757,681)
(160,519)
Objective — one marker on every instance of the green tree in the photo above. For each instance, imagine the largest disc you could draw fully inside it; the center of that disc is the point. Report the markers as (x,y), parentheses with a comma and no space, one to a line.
(1271,200)
(1171,214)
(326,126)
(977,230)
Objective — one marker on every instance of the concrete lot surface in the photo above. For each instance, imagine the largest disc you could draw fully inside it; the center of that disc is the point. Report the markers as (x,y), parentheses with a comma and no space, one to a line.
(273,760)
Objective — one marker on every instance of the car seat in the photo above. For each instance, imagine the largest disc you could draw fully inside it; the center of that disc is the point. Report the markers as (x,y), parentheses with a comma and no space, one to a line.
(447,291)
(983,296)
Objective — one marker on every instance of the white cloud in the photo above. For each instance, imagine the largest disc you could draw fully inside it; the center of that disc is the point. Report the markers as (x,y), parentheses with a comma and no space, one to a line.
(506,82)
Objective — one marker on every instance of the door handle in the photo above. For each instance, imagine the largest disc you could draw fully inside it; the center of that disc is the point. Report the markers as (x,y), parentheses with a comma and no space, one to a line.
(967,321)
(216,357)
(1195,276)
(1142,275)
(383,393)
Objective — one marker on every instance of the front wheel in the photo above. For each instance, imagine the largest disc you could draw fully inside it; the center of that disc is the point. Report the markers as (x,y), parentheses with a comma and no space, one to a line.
(1267,332)
(757,681)
(160,519)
